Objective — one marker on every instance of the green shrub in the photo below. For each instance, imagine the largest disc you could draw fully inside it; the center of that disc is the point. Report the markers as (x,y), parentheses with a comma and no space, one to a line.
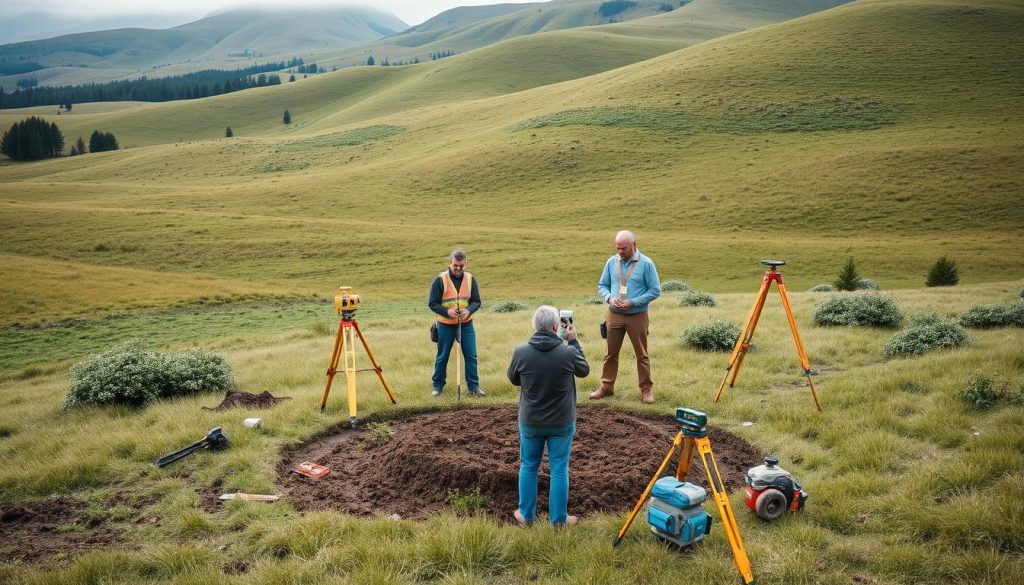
(466,502)
(869,309)
(379,431)
(320,327)
(1020,295)
(509,306)
(714,335)
(979,392)
(867,284)
(674,286)
(924,333)
(848,277)
(943,273)
(131,375)
(823,288)
(696,298)
(989,316)
(595,300)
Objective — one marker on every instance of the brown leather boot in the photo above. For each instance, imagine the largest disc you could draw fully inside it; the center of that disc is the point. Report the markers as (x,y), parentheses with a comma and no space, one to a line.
(601,393)
(646,396)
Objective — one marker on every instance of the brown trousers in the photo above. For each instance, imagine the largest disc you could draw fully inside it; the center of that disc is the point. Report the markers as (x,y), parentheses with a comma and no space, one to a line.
(619,326)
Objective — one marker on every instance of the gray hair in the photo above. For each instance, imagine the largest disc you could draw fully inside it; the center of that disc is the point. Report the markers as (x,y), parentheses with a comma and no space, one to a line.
(625,235)
(544,318)
(457,254)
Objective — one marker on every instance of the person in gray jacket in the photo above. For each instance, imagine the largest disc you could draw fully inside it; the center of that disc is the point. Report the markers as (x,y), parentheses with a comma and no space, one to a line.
(543,368)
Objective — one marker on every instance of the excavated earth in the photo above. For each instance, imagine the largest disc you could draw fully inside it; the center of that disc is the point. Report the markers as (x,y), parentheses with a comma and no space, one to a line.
(432,457)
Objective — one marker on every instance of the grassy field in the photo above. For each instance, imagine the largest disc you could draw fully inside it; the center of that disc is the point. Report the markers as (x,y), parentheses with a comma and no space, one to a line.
(908,483)
(842,134)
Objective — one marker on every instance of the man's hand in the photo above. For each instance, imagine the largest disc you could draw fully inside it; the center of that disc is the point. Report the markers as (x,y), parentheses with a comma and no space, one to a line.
(453,313)
(570,332)
(626,304)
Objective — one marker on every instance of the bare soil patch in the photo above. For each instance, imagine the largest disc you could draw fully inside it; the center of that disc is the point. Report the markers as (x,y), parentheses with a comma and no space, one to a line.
(36,530)
(433,455)
(239,399)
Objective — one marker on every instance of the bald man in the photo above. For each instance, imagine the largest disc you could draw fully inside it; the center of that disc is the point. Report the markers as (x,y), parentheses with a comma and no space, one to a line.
(628,284)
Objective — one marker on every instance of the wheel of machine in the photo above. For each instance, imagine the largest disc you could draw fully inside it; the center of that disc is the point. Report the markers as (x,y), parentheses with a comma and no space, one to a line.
(770,504)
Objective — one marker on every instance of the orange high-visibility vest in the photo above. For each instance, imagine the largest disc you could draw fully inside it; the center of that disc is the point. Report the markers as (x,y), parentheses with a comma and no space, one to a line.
(451,298)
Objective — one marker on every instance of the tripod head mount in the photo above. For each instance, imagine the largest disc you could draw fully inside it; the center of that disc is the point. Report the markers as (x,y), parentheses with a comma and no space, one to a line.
(773,264)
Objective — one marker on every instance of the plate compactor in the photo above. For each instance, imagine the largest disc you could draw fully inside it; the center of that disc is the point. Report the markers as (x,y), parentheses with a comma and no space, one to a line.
(771,490)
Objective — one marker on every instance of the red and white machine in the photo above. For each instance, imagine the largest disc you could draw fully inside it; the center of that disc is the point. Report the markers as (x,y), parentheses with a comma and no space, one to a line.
(771,490)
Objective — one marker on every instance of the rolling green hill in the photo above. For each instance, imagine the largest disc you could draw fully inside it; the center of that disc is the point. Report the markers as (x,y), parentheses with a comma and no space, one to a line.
(836,135)
(229,40)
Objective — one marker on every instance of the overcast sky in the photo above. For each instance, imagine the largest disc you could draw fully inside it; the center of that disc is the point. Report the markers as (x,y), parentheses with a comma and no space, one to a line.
(411,11)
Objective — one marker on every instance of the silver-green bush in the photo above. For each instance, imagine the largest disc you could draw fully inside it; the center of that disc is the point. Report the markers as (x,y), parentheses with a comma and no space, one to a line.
(867,284)
(696,298)
(714,335)
(131,375)
(823,288)
(674,286)
(595,300)
(925,333)
(509,306)
(870,309)
(989,316)
(1020,295)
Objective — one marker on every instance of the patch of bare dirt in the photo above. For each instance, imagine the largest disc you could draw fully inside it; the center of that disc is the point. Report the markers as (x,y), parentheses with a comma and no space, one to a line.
(37,530)
(239,399)
(411,474)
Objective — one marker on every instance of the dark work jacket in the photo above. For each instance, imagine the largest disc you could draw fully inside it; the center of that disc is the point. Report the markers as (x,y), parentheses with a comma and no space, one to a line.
(544,368)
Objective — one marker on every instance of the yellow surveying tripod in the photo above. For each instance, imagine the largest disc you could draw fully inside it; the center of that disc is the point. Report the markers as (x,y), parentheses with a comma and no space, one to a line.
(747,335)
(346,304)
(693,436)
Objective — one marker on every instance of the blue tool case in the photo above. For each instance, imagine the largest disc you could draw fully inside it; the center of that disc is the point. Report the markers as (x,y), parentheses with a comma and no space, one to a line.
(675,513)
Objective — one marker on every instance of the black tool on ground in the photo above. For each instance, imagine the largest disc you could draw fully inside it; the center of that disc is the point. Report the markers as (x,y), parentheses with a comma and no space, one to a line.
(215,439)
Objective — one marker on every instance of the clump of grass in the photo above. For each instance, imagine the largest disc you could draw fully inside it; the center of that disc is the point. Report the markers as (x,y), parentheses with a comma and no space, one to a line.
(379,431)
(1020,294)
(714,335)
(674,286)
(981,392)
(509,306)
(925,333)
(595,300)
(998,315)
(131,375)
(696,298)
(863,309)
(353,137)
(466,502)
(823,288)
(320,328)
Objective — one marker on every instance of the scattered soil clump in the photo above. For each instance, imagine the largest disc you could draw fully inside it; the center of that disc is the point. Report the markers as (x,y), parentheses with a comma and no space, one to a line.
(36,530)
(433,457)
(239,399)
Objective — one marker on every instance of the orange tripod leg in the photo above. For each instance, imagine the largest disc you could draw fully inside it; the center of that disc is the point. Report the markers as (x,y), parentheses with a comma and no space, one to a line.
(376,366)
(762,296)
(804,362)
(718,493)
(740,350)
(647,491)
(685,459)
(332,366)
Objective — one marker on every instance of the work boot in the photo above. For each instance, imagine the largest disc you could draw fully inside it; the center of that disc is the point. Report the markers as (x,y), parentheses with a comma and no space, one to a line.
(479,392)
(435,392)
(601,393)
(646,396)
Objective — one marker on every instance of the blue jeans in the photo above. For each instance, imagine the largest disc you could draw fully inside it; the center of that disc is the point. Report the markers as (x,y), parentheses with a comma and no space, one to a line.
(531,449)
(446,335)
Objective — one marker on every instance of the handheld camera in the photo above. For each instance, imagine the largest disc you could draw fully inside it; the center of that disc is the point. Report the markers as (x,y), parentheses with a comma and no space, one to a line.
(564,319)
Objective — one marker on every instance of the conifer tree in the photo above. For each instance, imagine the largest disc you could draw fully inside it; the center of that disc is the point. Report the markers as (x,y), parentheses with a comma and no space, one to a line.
(848,277)
(287,117)
(943,273)
(228,133)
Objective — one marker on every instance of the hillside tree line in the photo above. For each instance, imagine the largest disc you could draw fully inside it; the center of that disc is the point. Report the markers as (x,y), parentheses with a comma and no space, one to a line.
(32,139)
(200,84)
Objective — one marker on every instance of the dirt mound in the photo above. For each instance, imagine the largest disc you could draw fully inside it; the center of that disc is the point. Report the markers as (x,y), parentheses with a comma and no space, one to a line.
(239,399)
(36,530)
(429,456)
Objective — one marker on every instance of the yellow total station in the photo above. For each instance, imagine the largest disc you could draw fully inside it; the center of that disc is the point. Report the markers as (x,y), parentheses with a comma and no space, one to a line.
(747,335)
(346,302)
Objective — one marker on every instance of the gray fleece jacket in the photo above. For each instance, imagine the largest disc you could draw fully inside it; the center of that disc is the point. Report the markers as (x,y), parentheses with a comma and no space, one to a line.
(543,368)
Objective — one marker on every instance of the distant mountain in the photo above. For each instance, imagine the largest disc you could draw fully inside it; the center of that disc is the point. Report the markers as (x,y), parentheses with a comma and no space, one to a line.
(38,24)
(238,34)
